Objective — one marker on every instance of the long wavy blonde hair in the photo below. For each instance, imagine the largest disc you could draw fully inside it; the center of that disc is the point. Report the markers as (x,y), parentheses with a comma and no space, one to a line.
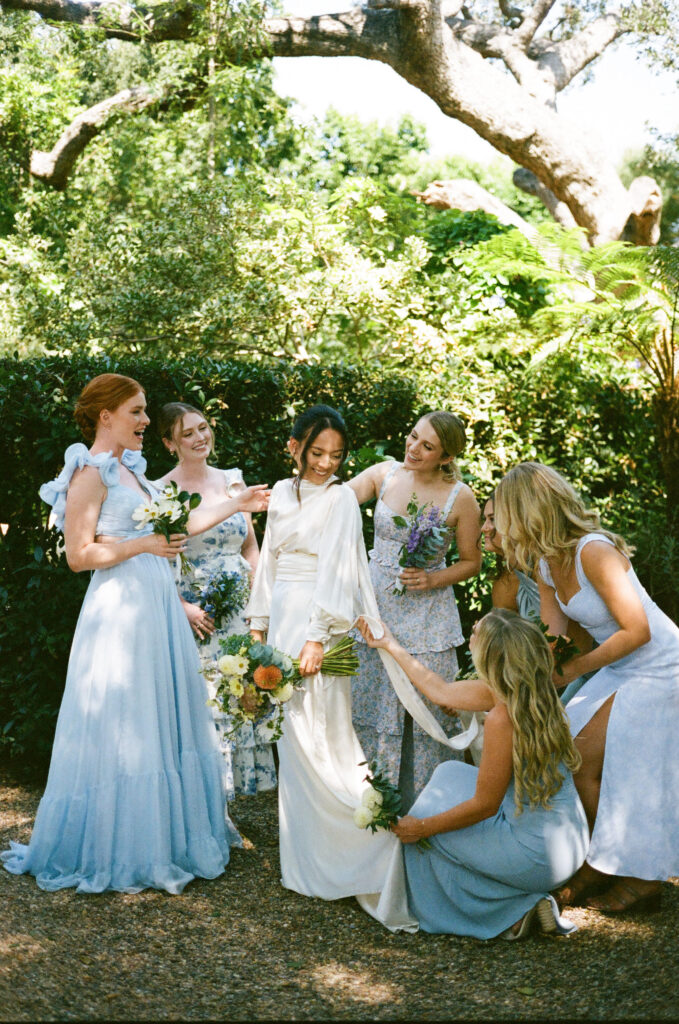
(540,515)
(512,655)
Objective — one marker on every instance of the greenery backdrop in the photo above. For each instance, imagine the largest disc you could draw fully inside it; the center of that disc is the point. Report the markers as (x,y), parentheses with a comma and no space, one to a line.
(592,425)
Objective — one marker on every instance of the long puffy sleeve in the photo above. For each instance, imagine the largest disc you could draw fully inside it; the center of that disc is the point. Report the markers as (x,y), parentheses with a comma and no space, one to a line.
(336,602)
(259,606)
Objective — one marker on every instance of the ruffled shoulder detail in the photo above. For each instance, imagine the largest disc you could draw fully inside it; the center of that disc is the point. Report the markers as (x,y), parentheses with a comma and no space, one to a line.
(234,481)
(134,461)
(76,457)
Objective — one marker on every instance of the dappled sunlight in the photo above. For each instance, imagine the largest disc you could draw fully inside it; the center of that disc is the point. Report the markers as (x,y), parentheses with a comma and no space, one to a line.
(27,945)
(351,983)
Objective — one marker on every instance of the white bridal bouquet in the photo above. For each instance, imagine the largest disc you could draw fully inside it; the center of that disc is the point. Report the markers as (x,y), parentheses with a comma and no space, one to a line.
(168,513)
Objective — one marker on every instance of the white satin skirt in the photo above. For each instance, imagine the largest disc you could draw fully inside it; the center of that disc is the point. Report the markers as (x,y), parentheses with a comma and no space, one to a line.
(323,853)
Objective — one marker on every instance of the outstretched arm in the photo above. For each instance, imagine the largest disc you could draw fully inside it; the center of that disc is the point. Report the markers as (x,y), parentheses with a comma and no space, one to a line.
(252,499)
(464,695)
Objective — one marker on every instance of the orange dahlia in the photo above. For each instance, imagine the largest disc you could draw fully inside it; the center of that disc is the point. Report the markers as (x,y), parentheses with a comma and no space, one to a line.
(267,677)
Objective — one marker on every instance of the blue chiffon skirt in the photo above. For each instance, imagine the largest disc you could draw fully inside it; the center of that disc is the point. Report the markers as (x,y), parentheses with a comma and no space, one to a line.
(134,797)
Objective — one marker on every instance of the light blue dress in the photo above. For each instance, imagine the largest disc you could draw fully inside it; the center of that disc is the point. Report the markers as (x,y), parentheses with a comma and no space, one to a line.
(134,797)
(482,879)
(636,832)
(247,757)
(427,624)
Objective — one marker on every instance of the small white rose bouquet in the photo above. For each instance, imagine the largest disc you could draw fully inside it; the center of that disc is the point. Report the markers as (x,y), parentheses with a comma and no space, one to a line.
(257,679)
(168,514)
(380,804)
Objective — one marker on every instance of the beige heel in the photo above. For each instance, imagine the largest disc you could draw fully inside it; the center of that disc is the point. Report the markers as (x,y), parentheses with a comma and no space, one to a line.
(545,915)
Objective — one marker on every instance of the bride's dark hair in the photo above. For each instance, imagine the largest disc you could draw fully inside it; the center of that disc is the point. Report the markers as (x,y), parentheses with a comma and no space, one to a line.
(309,425)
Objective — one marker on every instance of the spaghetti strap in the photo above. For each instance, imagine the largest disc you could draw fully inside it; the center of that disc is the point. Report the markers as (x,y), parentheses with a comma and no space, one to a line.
(387,477)
(445,512)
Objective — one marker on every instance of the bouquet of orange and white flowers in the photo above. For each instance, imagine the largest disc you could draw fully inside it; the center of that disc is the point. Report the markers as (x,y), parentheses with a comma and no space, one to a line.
(255,679)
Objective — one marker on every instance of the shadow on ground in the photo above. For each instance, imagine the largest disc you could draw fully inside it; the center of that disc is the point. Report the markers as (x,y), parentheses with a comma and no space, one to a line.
(242,948)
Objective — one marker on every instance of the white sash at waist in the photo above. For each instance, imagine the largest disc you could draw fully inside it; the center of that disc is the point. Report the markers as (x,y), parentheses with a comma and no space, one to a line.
(296,566)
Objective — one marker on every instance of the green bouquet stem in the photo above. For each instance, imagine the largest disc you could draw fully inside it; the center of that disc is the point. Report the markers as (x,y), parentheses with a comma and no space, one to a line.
(340,660)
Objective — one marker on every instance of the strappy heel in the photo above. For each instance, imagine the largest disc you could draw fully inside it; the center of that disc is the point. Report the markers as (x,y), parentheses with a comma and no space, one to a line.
(616,900)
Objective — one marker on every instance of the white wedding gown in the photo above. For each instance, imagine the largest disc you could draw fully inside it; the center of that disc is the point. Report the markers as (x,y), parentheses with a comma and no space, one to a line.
(312,583)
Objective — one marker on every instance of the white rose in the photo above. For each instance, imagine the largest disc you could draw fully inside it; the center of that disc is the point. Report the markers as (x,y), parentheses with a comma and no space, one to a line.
(362,816)
(371,798)
(284,693)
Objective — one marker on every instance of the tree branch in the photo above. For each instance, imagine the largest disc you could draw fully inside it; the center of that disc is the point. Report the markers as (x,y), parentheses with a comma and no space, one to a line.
(117,20)
(528,182)
(55,168)
(461,194)
(533,19)
(567,59)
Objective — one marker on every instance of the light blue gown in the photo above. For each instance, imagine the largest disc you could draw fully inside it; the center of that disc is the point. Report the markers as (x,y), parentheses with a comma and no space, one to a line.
(134,797)
(480,880)
(636,832)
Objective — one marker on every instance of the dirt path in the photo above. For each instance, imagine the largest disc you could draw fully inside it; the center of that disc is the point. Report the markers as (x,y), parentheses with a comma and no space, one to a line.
(242,948)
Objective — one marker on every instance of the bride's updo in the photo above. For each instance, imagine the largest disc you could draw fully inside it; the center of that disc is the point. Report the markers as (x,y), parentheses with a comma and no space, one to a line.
(107,391)
(309,425)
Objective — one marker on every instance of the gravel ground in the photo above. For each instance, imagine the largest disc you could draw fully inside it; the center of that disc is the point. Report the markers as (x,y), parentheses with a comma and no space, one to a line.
(242,948)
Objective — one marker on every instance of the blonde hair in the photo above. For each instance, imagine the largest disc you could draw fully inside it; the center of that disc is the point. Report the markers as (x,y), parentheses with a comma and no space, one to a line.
(451,433)
(540,515)
(171,422)
(512,655)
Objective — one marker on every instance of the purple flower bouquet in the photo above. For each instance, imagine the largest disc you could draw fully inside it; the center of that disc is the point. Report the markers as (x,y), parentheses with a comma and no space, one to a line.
(425,540)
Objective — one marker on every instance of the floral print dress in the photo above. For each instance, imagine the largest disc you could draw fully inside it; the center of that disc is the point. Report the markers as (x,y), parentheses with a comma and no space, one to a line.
(248,754)
(427,624)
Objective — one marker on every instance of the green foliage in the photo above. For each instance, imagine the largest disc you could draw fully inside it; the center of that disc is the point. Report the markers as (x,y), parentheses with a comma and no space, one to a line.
(41,597)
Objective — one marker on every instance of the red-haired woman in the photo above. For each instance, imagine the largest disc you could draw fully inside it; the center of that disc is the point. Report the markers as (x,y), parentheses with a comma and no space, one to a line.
(134,797)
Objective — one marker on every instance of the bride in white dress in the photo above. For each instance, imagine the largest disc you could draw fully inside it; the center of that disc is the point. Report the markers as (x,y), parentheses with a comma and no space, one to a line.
(312,583)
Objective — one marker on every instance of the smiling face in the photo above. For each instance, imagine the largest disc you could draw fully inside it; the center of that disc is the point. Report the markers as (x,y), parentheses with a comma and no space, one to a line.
(492,540)
(424,452)
(323,456)
(124,427)
(191,438)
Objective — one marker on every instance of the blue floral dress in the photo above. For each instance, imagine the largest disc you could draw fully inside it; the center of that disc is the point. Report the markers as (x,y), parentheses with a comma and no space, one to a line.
(134,797)
(248,763)
(427,624)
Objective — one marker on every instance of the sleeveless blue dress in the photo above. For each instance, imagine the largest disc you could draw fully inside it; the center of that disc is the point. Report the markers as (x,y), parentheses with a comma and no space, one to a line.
(134,796)
(481,879)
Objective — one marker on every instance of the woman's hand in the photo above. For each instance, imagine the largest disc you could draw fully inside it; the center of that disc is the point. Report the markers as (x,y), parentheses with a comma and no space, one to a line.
(310,658)
(410,829)
(254,499)
(367,635)
(199,620)
(417,579)
(257,635)
(569,672)
(157,544)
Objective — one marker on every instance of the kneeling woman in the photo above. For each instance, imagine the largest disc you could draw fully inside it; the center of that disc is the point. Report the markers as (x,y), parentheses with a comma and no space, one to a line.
(504,834)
